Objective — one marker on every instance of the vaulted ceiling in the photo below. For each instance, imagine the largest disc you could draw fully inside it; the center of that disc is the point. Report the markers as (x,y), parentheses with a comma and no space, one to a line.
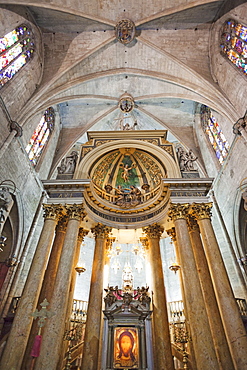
(166,69)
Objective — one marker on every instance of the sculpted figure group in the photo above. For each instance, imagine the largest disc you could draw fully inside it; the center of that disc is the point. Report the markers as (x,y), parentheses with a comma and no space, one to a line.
(186,159)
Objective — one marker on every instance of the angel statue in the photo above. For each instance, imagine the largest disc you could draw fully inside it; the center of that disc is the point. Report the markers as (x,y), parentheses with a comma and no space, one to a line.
(126,169)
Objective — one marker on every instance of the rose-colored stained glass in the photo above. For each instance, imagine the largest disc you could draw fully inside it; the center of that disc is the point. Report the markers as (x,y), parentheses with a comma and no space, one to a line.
(16,49)
(41,136)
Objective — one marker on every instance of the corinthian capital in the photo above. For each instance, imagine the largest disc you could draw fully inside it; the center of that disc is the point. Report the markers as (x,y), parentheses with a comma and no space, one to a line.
(201,210)
(82,233)
(192,223)
(75,211)
(62,223)
(172,233)
(110,241)
(144,242)
(177,211)
(101,231)
(153,231)
(52,211)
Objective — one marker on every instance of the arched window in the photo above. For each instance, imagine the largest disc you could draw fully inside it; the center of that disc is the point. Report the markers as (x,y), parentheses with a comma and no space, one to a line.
(41,136)
(214,133)
(16,49)
(234,43)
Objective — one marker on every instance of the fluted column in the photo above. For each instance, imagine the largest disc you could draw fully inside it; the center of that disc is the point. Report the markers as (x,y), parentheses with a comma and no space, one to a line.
(54,329)
(48,282)
(94,312)
(18,337)
(217,330)
(231,319)
(162,345)
(201,335)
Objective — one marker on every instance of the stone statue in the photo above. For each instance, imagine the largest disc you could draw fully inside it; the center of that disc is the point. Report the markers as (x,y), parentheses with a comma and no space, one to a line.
(240,127)
(6,203)
(190,159)
(143,296)
(244,196)
(68,163)
(186,160)
(110,297)
(126,171)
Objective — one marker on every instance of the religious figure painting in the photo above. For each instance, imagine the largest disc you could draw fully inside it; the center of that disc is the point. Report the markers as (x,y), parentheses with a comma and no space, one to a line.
(126,348)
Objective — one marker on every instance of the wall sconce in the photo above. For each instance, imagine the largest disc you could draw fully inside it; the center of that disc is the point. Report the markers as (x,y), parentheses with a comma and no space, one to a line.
(174,267)
(79,269)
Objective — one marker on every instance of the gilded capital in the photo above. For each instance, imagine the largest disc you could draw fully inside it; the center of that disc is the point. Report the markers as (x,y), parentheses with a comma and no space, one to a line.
(62,223)
(101,231)
(177,211)
(201,210)
(192,223)
(75,212)
(81,234)
(110,240)
(52,211)
(144,242)
(153,231)
(172,233)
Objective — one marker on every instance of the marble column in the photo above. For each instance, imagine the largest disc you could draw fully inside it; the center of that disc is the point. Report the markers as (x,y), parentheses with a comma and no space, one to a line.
(108,253)
(162,345)
(94,313)
(172,233)
(53,332)
(217,330)
(231,319)
(81,234)
(196,314)
(18,337)
(48,283)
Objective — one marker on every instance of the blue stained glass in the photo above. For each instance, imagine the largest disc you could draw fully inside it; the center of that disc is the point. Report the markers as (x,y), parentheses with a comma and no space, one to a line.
(214,133)
(16,49)
(234,43)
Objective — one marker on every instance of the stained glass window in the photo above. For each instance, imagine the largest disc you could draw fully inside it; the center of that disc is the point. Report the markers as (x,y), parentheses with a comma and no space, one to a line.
(16,49)
(234,43)
(41,136)
(214,133)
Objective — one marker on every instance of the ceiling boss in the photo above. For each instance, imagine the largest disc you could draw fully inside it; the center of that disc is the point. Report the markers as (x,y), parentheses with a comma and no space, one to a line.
(125,31)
